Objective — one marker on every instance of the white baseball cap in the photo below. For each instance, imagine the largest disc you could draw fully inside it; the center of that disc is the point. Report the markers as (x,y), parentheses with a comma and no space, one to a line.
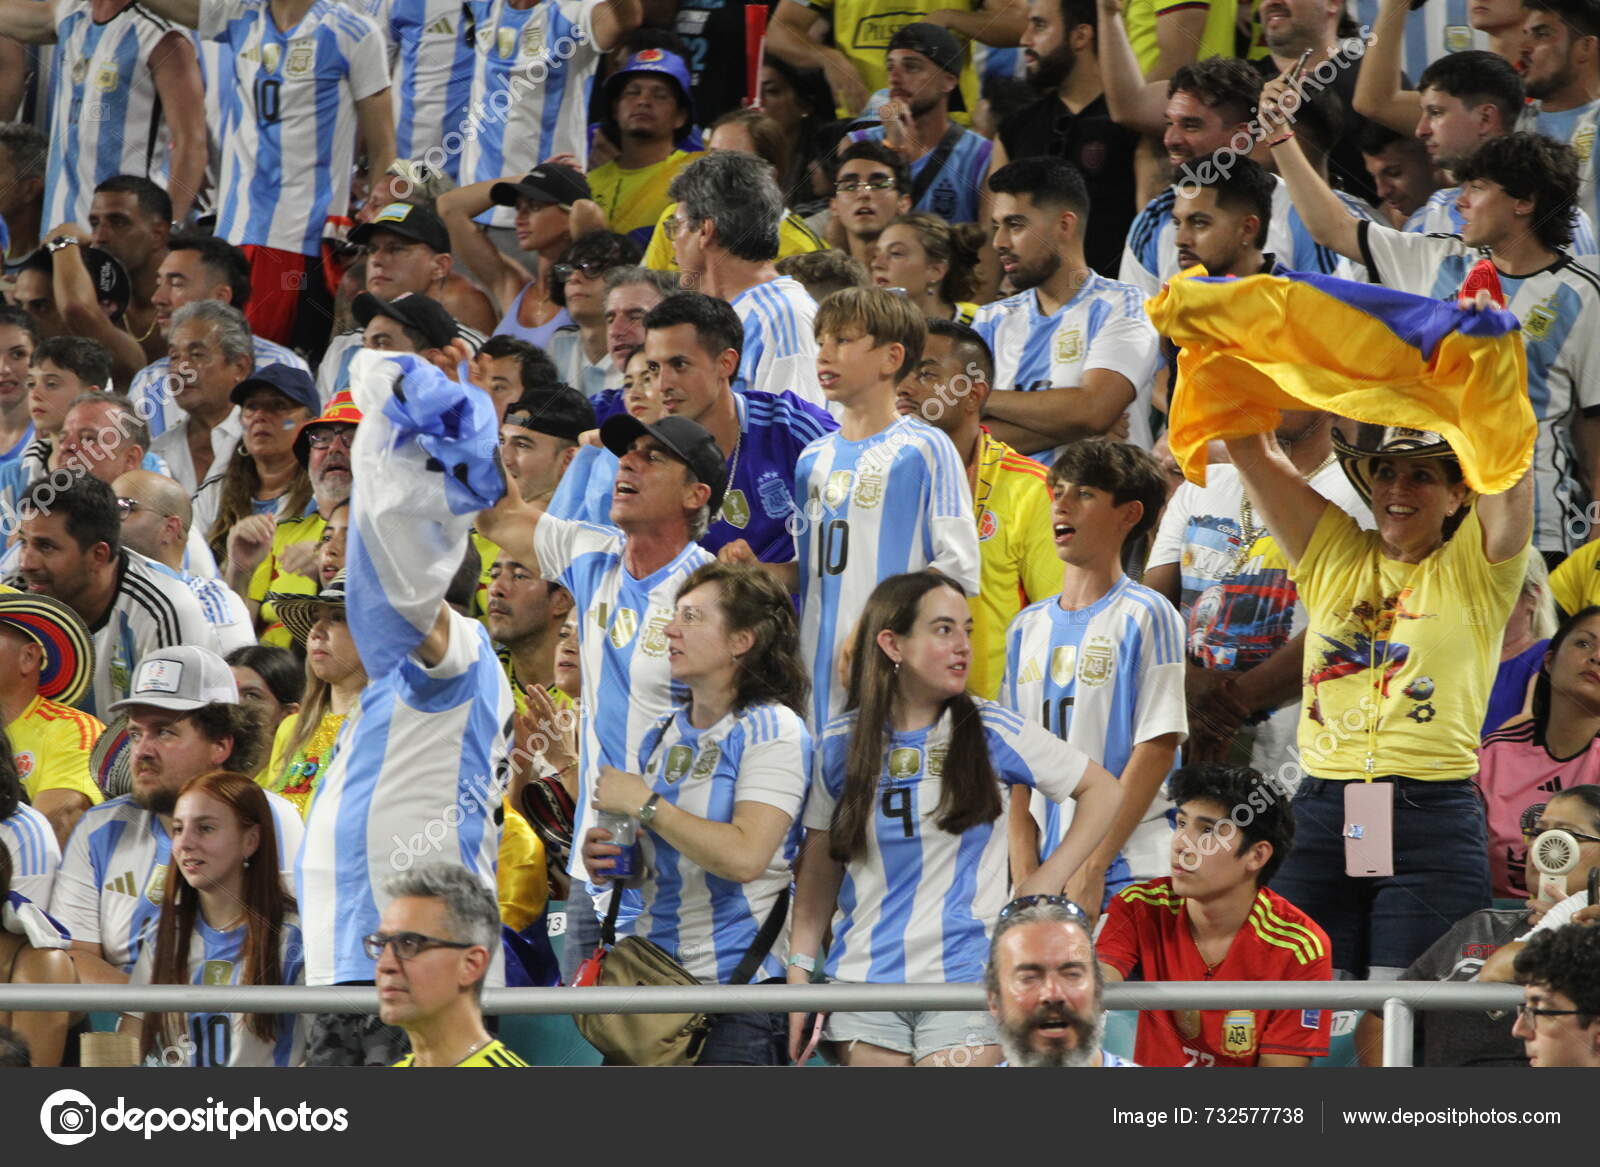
(181,678)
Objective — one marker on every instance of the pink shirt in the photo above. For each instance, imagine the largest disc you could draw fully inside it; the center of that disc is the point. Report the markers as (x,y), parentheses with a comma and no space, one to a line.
(1515,770)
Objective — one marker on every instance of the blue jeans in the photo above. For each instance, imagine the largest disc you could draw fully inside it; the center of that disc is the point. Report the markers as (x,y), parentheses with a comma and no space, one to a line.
(746,1039)
(1441,871)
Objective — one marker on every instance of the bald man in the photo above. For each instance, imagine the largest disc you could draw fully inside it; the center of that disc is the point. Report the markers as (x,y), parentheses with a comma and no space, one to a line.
(156,516)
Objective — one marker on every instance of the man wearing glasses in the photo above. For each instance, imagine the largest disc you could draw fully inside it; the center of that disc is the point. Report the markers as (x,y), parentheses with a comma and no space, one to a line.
(432,952)
(871,189)
(1559,1019)
(1045,986)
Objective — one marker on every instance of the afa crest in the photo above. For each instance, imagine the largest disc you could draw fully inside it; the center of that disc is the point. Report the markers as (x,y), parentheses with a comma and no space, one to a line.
(1095,665)
(654,640)
(301,59)
(706,763)
(1239,1033)
(869,491)
(1069,345)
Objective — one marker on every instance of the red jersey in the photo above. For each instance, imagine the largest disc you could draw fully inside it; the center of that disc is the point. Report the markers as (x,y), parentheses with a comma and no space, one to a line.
(1146,929)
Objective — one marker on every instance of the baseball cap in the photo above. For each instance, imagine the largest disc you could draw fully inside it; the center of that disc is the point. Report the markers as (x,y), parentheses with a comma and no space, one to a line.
(341,411)
(939,45)
(112,287)
(549,183)
(657,62)
(555,409)
(295,384)
(412,309)
(62,636)
(689,440)
(181,678)
(409,221)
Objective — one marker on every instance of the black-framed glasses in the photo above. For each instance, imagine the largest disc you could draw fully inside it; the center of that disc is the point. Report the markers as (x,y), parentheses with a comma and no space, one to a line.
(1023,903)
(563,272)
(1528,1013)
(324,436)
(851,185)
(407,945)
(1532,830)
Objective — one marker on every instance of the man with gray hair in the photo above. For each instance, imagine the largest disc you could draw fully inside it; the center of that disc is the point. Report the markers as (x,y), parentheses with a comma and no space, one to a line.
(725,241)
(211,351)
(631,292)
(1045,985)
(433,949)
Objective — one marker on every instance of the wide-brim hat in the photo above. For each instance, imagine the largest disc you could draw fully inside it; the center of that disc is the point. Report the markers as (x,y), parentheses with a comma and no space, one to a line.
(299,613)
(1383,441)
(110,764)
(63,637)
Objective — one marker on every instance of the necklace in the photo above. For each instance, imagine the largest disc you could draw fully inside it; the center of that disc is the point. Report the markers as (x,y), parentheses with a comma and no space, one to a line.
(1250,530)
(147,332)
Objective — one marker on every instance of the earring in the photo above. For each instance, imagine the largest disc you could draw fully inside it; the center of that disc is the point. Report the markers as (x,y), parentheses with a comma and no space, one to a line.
(897,668)
(247,864)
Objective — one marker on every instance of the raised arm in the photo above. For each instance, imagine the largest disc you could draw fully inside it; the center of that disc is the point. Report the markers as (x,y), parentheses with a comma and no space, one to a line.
(1378,94)
(175,70)
(79,305)
(33,22)
(789,37)
(503,276)
(1507,520)
(1288,504)
(613,20)
(1329,222)
(1134,103)
(1178,36)
(998,22)
(375,120)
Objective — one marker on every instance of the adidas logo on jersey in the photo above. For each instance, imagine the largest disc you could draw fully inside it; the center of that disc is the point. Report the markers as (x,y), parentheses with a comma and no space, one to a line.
(1030,673)
(444,26)
(124,885)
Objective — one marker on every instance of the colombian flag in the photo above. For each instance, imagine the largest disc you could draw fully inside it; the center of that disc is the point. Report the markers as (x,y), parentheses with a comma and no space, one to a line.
(1253,346)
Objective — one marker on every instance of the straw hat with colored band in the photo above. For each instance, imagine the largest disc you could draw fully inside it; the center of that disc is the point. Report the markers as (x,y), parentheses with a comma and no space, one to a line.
(299,613)
(62,634)
(1376,441)
(110,763)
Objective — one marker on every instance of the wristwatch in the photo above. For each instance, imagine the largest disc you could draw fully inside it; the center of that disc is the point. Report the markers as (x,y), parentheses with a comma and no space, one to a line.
(647,812)
(61,241)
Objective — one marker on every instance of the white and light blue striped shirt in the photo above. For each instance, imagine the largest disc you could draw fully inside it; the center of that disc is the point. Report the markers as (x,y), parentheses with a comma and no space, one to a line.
(35,854)
(780,343)
(1439,216)
(431,44)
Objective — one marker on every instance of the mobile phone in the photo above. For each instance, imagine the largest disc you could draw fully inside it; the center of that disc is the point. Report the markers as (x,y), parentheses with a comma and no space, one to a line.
(1369,829)
(1300,66)
(1594,886)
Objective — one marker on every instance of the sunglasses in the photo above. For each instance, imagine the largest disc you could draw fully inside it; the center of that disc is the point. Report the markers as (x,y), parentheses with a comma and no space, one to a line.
(590,267)
(1023,903)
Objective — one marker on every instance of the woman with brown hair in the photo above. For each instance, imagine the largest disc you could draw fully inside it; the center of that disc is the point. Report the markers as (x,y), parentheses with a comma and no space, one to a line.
(934,262)
(905,848)
(226,920)
(263,476)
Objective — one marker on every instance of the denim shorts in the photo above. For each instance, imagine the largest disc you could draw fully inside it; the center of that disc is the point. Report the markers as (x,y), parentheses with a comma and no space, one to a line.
(1441,871)
(746,1039)
(917,1034)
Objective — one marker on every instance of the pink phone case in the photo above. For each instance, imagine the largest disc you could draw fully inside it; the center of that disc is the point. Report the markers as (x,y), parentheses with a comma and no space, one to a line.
(1369,828)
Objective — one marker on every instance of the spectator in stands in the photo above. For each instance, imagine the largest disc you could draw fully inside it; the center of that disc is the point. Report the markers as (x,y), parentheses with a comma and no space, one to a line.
(525,615)
(1104,494)
(631,292)
(543,201)
(212,352)
(1011,502)
(225,919)
(715,788)
(269,556)
(1522,651)
(939,759)
(648,105)
(1071,120)
(640,398)
(439,932)
(581,350)
(505,368)
(1223,220)
(196,267)
(1214,918)
(62,368)
(19,336)
(157,517)
(270,681)
(263,476)
(871,188)
(331,543)
(822,273)
(1559,1020)
(130,219)
(184,719)
(24,152)
(799,102)
(1403,176)
(935,263)
(1045,986)
(412,323)
(45,665)
(1057,376)
(32,946)
(539,438)
(104,438)
(749,131)
(947,162)
(71,548)
(333,681)
(73,289)
(1560,67)
(1518,202)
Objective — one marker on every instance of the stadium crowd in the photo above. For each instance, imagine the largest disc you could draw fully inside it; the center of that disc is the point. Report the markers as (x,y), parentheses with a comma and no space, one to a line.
(489,484)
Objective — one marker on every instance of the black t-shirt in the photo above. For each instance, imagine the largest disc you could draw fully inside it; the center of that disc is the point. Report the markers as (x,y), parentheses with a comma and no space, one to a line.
(1472,1038)
(714,32)
(1098,147)
(1346,167)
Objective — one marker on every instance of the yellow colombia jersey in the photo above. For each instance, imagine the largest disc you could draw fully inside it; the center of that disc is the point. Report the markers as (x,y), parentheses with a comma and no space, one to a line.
(632,199)
(494,1056)
(52,743)
(862,30)
(1011,502)
(794,238)
(522,876)
(1576,583)
(1216,39)
(271,577)
(1418,643)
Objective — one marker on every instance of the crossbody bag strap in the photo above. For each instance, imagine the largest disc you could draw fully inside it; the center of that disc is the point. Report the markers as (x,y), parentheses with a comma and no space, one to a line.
(762,944)
(941,154)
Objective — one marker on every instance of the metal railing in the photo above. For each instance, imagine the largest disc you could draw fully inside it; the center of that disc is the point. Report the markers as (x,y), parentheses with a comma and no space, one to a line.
(1397,1000)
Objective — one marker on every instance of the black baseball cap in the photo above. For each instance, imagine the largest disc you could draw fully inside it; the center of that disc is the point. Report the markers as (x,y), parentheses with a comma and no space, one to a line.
(555,409)
(939,45)
(412,309)
(112,287)
(295,384)
(409,222)
(549,183)
(689,440)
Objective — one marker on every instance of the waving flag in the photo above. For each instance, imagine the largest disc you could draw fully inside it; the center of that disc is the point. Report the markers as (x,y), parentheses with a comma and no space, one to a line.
(1254,346)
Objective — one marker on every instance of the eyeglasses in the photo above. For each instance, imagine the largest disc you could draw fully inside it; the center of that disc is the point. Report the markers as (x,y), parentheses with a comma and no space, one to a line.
(851,185)
(1531,1015)
(1023,903)
(407,945)
(1532,830)
(563,272)
(128,505)
(674,227)
(324,436)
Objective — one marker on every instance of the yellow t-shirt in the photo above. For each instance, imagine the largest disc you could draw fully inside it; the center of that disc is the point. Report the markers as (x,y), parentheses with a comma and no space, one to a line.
(1576,583)
(493,1056)
(51,743)
(1216,39)
(523,876)
(1017,550)
(795,237)
(270,577)
(862,30)
(632,199)
(1400,657)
